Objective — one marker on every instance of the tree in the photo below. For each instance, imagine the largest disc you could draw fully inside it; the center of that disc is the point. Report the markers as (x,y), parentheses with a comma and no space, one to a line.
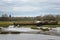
(49,17)
(10,18)
(4,17)
(39,18)
(58,17)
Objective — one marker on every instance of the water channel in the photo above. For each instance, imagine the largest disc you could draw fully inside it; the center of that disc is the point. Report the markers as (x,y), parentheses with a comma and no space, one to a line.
(24,36)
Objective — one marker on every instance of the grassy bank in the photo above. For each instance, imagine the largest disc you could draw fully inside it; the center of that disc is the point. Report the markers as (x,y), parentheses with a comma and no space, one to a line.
(50,26)
(5,24)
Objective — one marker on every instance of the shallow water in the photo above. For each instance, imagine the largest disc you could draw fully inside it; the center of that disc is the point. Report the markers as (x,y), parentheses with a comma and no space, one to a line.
(23,36)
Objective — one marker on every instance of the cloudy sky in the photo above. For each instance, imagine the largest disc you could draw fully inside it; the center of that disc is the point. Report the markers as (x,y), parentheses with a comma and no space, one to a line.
(29,7)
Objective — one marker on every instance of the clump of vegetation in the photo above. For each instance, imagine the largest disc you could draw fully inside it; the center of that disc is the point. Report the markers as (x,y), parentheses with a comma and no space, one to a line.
(34,27)
(46,29)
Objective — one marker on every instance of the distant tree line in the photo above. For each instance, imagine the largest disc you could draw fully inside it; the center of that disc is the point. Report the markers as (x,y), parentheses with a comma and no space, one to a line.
(5,17)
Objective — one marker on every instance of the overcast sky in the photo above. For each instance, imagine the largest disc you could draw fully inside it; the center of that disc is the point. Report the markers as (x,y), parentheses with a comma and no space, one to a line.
(29,7)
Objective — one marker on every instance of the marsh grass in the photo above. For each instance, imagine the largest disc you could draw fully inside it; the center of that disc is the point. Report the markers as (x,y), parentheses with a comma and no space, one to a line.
(5,24)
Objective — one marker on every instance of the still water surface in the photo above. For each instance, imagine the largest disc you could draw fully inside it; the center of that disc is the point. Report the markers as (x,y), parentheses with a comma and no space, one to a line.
(23,36)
